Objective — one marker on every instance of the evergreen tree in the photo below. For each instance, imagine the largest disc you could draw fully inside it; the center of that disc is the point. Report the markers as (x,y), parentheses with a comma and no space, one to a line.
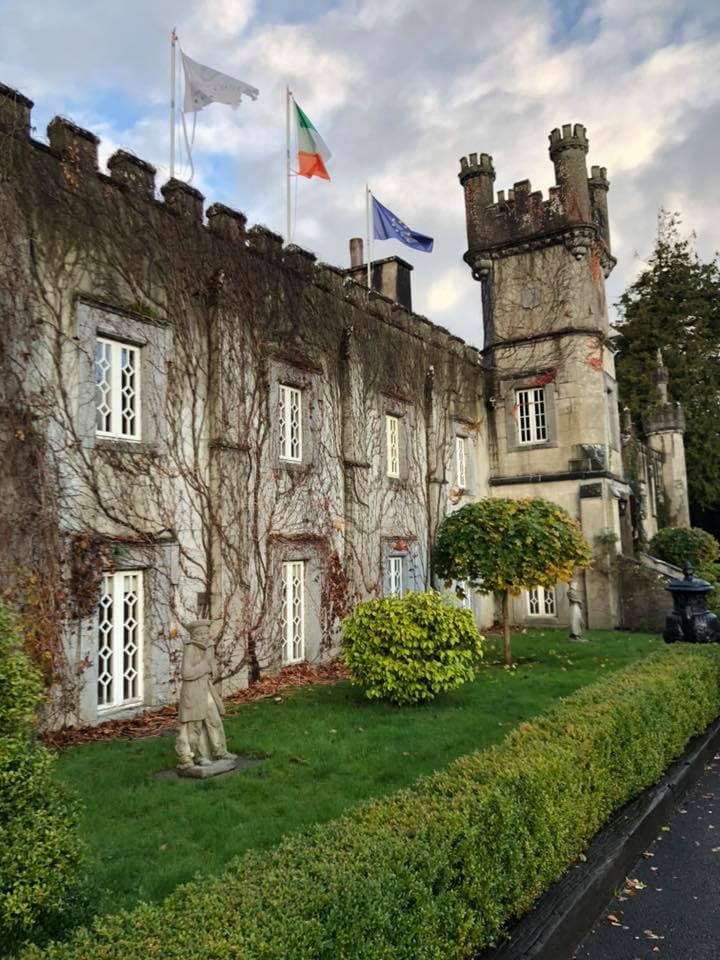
(675,305)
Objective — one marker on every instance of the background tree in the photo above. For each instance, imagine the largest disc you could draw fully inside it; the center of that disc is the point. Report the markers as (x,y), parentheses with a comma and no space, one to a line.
(675,305)
(504,546)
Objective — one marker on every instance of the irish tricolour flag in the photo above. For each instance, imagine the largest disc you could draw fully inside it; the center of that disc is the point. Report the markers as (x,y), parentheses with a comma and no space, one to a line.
(312,150)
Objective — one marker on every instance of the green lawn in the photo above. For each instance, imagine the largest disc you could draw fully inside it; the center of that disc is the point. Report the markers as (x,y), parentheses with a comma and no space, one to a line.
(323,748)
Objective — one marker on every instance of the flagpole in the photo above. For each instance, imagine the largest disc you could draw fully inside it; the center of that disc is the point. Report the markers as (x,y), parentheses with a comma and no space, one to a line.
(367,232)
(288,97)
(173,42)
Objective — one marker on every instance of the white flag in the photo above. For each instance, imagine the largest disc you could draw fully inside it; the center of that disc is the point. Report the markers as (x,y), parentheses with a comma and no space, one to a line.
(203,85)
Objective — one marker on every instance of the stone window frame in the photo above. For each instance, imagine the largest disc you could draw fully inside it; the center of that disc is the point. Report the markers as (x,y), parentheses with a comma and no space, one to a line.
(463,430)
(285,373)
(512,426)
(403,411)
(153,339)
(406,550)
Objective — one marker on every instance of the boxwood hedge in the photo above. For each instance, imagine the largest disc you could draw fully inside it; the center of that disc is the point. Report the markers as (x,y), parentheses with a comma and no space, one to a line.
(436,871)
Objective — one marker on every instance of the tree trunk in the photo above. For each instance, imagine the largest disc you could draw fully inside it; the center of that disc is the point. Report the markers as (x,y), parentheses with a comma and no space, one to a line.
(507,653)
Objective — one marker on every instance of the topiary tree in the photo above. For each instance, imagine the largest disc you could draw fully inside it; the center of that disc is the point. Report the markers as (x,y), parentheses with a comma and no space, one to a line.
(504,546)
(39,845)
(679,544)
(409,649)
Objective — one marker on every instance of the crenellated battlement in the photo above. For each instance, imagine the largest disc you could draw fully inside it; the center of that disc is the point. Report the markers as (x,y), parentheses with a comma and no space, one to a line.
(568,138)
(132,183)
(574,213)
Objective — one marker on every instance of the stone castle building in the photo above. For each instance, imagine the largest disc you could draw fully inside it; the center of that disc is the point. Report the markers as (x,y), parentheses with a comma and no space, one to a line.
(198,420)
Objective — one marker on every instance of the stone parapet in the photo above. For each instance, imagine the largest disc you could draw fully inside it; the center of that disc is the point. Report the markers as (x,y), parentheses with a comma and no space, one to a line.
(668,419)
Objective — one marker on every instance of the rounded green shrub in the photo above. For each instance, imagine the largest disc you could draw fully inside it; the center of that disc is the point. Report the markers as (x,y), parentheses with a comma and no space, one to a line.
(679,544)
(39,844)
(409,649)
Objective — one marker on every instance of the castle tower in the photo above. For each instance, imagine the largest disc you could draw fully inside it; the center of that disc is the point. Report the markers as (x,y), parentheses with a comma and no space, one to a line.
(664,428)
(551,382)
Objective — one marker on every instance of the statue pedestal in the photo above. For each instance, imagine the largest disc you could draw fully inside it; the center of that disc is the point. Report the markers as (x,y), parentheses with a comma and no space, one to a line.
(202,771)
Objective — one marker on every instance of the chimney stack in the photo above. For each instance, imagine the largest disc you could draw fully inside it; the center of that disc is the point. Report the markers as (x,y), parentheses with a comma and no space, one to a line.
(356,252)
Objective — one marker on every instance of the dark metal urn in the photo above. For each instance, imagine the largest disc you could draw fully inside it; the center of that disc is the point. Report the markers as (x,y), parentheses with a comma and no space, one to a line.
(691,621)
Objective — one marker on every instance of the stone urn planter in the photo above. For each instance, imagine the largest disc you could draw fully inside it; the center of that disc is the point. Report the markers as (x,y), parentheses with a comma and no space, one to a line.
(691,621)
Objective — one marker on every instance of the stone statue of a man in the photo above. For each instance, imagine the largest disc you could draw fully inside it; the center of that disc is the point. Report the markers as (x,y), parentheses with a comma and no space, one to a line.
(576,613)
(200,737)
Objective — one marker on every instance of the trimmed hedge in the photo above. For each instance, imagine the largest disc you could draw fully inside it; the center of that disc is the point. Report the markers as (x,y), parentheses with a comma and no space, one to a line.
(40,850)
(436,871)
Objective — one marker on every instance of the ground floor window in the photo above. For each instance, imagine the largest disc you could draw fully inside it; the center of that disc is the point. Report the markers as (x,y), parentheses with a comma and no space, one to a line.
(293,611)
(541,602)
(395,577)
(119,639)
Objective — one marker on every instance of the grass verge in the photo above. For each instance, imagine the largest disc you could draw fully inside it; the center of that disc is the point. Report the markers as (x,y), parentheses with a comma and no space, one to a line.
(323,750)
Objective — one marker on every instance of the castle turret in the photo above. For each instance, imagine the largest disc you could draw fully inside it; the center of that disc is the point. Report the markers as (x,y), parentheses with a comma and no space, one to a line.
(599,186)
(664,428)
(568,149)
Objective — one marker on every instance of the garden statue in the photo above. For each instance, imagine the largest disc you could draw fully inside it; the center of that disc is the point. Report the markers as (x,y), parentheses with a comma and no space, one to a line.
(576,613)
(200,737)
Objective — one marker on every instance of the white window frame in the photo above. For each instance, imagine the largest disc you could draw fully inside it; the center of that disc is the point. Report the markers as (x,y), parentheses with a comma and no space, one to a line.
(541,602)
(113,400)
(461,462)
(466,601)
(293,601)
(395,584)
(290,422)
(392,443)
(532,415)
(119,649)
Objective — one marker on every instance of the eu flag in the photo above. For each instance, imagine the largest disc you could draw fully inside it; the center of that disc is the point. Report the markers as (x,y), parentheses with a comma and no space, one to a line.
(387,226)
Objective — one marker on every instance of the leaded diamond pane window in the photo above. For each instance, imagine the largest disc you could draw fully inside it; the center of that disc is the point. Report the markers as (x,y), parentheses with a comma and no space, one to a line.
(531,415)
(541,602)
(392,441)
(119,639)
(460,463)
(293,611)
(290,423)
(395,576)
(117,389)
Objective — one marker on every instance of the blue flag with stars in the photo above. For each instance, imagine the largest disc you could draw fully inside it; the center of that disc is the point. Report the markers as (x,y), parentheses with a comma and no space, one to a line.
(387,226)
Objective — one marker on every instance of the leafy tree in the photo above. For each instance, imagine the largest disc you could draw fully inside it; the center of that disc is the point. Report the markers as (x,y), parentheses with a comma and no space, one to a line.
(504,546)
(679,544)
(675,305)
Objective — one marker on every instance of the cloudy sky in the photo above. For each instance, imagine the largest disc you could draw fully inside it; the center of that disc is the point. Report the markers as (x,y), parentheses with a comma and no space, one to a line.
(400,89)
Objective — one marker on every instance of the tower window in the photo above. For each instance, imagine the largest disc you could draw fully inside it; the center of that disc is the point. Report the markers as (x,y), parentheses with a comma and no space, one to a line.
(531,415)
(461,463)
